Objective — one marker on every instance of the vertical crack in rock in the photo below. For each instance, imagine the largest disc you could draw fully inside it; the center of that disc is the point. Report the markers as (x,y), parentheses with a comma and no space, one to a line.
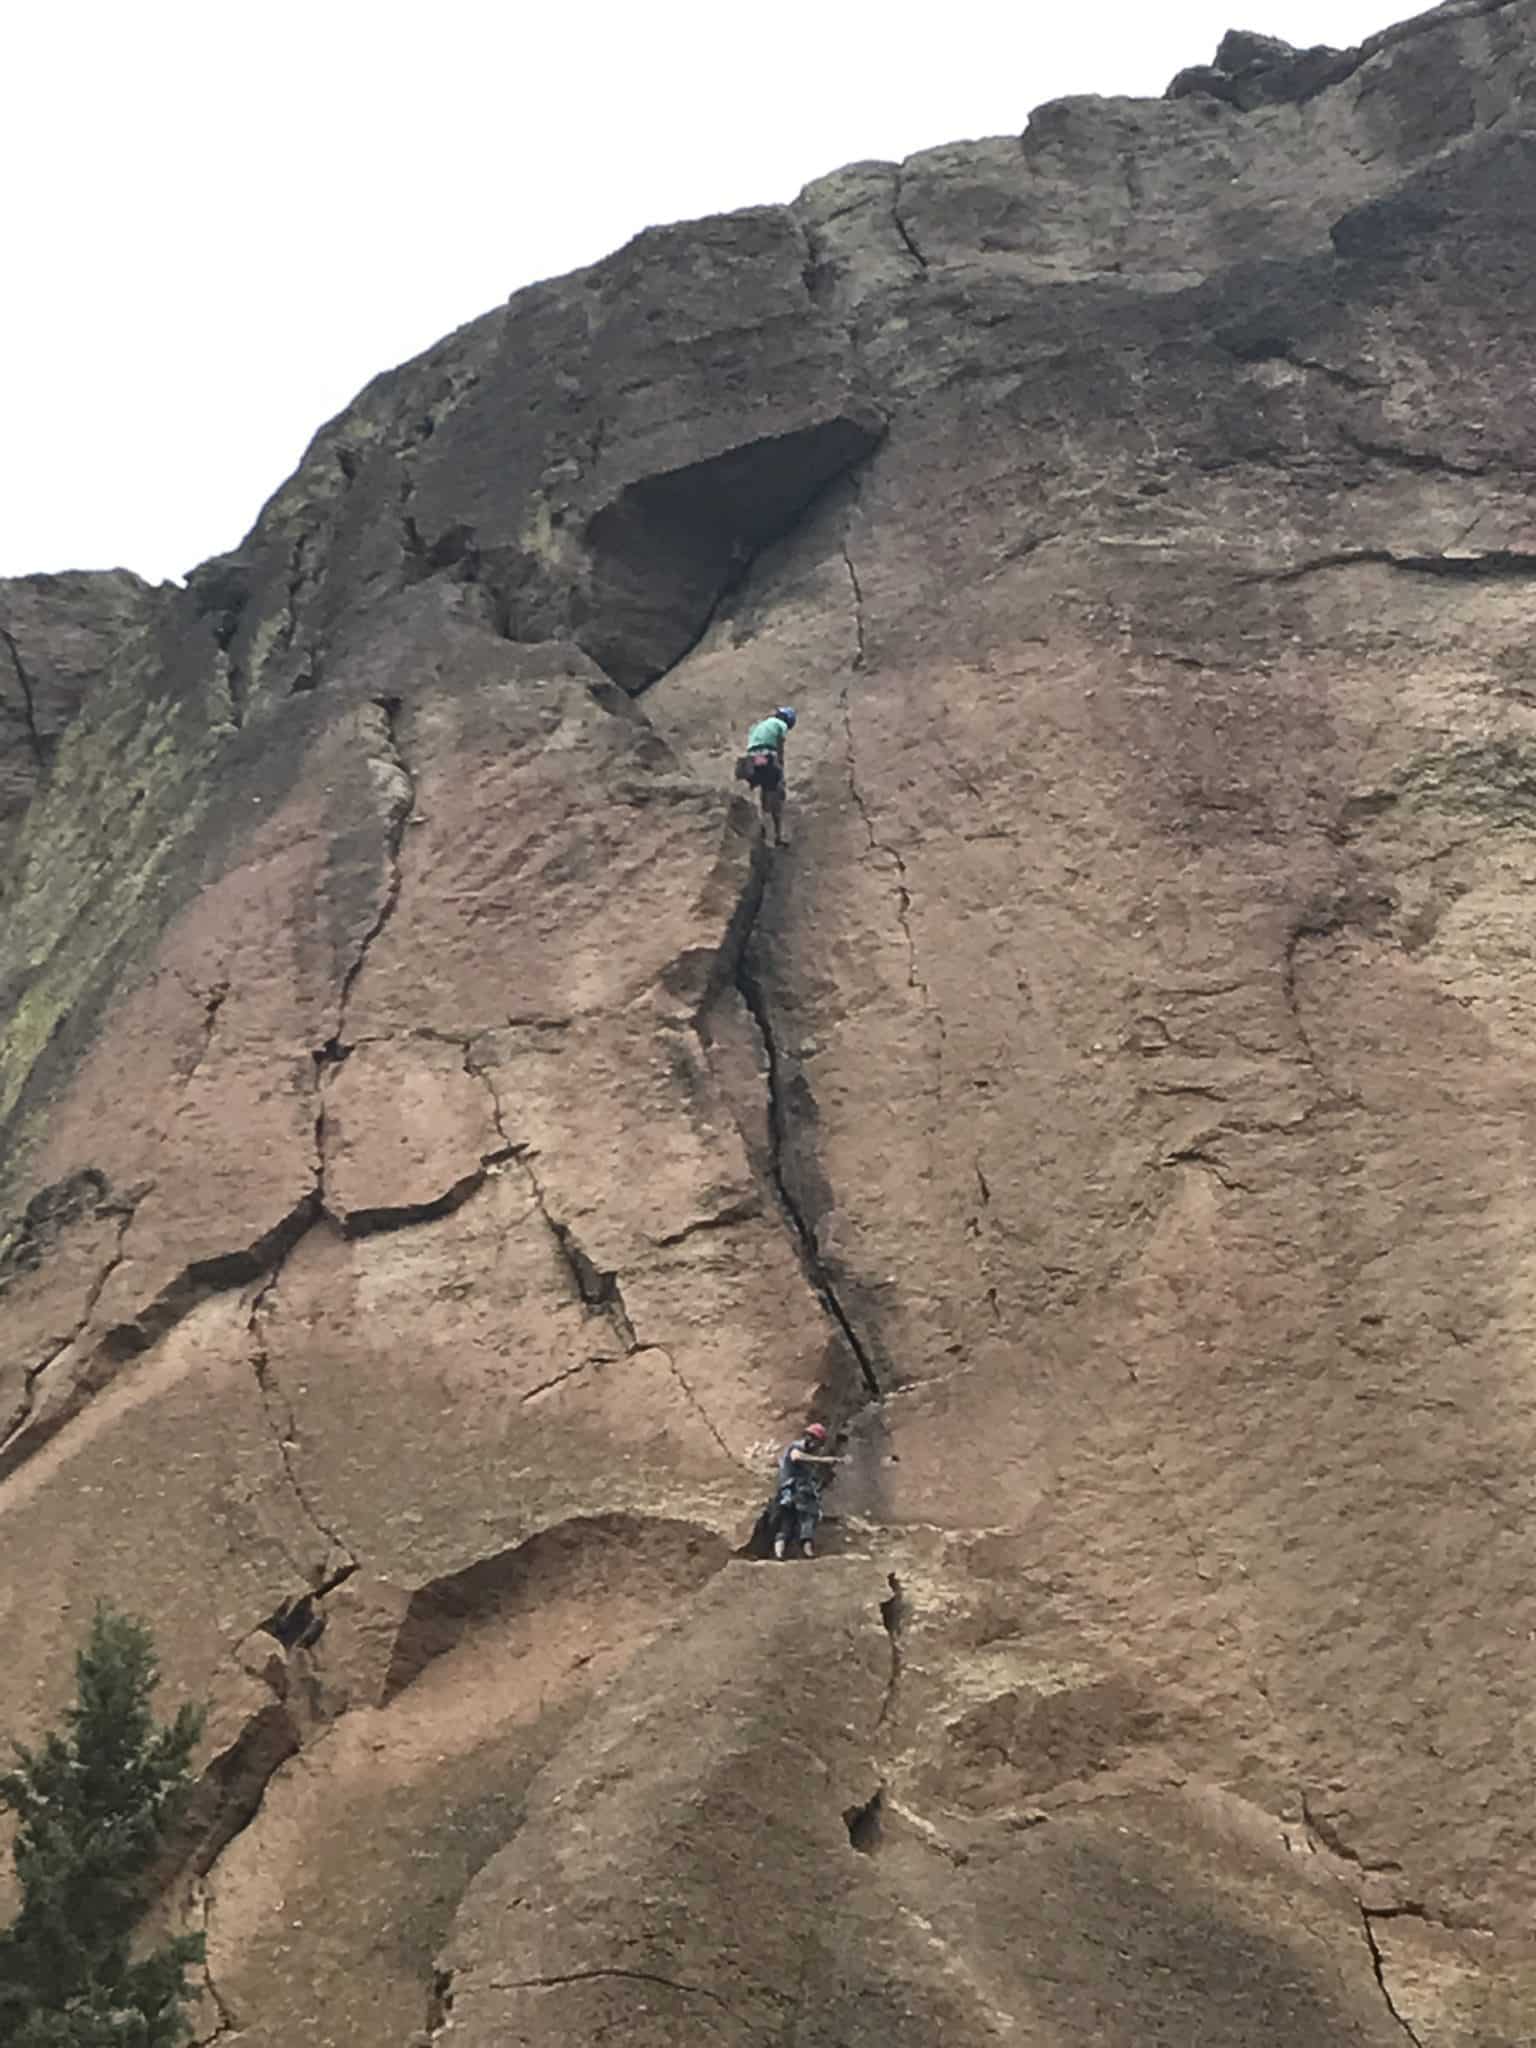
(308,566)
(17,1419)
(236,688)
(899,221)
(301,572)
(282,1424)
(439,2003)
(213,1003)
(328,1056)
(401,783)
(417,556)
(298,1716)
(898,866)
(402,802)
(893,1616)
(857,593)
(597,1290)
(298,562)
(28,702)
(1379,1969)
(693,1401)
(230,1793)
(203,1901)
(816,273)
(805,1237)
(876,845)
(856,796)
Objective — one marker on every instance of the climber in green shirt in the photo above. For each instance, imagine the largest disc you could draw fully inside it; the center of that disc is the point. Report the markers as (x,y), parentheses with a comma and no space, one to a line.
(761,767)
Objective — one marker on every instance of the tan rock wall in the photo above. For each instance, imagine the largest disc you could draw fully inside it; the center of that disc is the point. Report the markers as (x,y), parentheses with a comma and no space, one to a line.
(445,1154)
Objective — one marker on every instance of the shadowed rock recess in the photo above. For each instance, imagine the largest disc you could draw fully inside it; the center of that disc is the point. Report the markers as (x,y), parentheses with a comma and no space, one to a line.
(442,1153)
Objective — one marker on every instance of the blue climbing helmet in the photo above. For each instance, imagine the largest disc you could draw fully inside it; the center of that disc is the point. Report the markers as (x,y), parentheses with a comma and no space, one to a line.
(787,713)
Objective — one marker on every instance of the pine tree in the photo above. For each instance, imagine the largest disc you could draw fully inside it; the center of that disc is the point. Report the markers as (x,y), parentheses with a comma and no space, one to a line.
(95,1805)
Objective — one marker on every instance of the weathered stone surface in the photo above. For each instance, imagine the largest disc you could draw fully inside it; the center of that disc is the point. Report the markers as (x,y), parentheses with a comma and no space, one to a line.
(58,637)
(425,1775)
(444,1153)
(1255,71)
(876,1925)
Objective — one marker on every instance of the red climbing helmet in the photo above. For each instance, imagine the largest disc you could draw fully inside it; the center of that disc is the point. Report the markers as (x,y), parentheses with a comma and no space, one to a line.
(816,1430)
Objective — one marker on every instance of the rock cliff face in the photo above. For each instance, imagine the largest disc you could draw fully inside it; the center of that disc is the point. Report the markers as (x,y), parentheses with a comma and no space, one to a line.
(445,1153)
(58,636)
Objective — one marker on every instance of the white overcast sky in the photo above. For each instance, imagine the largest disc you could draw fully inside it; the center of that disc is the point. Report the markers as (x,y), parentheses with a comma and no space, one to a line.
(221,219)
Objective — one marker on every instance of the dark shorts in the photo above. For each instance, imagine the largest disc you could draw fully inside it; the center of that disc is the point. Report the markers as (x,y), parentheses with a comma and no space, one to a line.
(798,1517)
(766,773)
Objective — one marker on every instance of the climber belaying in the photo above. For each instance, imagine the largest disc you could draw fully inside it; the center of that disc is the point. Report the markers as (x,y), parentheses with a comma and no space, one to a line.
(797,1503)
(761,767)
